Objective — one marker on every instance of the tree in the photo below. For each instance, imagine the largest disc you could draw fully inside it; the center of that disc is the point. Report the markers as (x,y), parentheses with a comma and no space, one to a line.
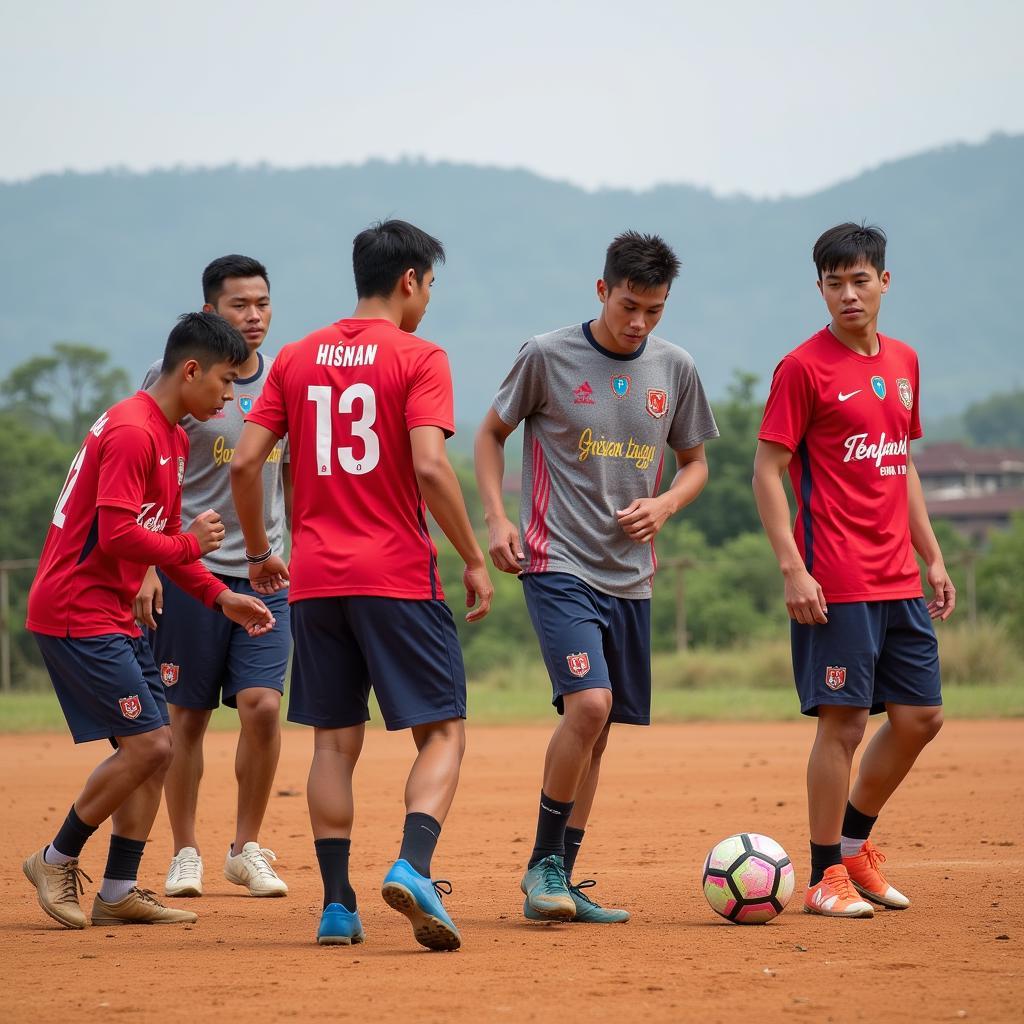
(997,421)
(65,391)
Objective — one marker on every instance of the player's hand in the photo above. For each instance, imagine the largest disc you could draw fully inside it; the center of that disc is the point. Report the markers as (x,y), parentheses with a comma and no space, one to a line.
(149,601)
(942,604)
(805,600)
(208,529)
(270,576)
(479,592)
(503,544)
(642,519)
(249,612)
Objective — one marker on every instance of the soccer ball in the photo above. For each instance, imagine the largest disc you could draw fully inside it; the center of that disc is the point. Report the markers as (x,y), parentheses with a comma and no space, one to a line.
(748,878)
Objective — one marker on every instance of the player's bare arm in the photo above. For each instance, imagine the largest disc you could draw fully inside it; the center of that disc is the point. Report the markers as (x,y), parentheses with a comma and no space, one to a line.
(805,600)
(643,518)
(922,536)
(503,541)
(149,601)
(249,612)
(253,449)
(441,491)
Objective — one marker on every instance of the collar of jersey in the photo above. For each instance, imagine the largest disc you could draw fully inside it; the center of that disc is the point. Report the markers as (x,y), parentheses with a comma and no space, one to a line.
(589,335)
(257,374)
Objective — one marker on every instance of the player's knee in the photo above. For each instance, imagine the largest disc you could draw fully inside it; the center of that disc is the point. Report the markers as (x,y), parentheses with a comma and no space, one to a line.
(149,753)
(921,727)
(450,734)
(587,712)
(845,732)
(261,713)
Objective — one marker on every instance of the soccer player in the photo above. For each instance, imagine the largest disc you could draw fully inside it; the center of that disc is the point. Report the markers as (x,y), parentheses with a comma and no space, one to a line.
(601,401)
(367,407)
(846,404)
(119,512)
(202,656)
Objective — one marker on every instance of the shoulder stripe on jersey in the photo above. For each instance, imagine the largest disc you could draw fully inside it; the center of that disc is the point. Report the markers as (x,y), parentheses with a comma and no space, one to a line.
(805,499)
(91,540)
(538,539)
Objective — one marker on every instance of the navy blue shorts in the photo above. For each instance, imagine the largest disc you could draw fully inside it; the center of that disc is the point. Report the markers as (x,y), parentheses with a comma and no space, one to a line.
(204,657)
(868,654)
(590,640)
(407,651)
(107,686)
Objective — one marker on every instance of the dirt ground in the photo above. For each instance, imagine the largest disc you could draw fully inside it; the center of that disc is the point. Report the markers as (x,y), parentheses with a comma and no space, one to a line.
(954,836)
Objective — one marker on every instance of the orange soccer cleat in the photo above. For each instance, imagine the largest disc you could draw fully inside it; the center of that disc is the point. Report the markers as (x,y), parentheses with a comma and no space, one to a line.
(834,896)
(869,881)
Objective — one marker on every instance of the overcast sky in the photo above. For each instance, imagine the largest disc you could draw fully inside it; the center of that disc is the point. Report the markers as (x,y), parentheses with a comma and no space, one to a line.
(739,95)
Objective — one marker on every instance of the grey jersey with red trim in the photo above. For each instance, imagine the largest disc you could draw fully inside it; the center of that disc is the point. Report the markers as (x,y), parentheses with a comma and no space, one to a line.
(597,427)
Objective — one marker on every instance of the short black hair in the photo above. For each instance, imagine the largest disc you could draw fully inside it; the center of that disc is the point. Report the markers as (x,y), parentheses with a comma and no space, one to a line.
(386,250)
(646,261)
(846,245)
(206,338)
(224,267)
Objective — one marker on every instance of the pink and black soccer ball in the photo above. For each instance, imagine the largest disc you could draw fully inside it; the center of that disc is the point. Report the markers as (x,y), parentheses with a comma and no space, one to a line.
(748,878)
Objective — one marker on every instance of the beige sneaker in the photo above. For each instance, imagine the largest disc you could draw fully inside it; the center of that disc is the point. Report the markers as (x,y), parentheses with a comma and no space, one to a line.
(185,875)
(140,906)
(252,869)
(58,886)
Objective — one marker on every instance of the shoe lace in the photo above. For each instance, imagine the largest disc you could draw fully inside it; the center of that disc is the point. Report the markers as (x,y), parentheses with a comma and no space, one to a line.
(147,896)
(874,855)
(553,872)
(842,886)
(258,860)
(71,886)
(442,887)
(186,862)
(587,883)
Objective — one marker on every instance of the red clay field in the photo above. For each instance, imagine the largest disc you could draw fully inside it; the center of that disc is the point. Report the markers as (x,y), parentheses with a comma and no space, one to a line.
(954,837)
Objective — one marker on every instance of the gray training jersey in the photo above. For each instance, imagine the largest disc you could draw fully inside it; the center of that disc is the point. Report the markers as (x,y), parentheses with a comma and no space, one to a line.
(596,429)
(208,478)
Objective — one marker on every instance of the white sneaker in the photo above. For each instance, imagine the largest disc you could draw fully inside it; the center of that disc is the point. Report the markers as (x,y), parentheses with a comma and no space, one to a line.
(252,869)
(185,875)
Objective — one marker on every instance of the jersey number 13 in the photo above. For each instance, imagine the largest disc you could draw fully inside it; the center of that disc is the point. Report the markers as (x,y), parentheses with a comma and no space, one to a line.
(322,396)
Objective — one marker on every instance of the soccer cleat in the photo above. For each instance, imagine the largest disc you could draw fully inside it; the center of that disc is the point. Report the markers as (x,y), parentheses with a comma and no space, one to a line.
(185,875)
(869,881)
(834,896)
(339,927)
(252,869)
(419,898)
(58,887)
(587,911)
(140,906)
(547,890)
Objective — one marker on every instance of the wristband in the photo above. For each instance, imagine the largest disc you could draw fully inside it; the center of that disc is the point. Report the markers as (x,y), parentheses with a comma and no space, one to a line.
(259,559)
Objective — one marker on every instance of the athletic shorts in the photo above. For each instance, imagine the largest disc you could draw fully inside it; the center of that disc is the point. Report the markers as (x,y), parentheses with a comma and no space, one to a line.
(407,651)
(107,686)
(590,640)
(204,657)
(868,654)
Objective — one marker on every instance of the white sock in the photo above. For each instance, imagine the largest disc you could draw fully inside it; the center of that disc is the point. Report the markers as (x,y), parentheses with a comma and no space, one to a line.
(851,847)
(114,890)
(53,856)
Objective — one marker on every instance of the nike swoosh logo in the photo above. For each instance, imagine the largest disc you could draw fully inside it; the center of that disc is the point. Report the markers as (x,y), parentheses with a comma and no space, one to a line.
(164,461)
(843,398)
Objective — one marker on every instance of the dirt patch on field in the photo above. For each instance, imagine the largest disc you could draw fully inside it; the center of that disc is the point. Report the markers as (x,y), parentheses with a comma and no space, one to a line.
(954,836)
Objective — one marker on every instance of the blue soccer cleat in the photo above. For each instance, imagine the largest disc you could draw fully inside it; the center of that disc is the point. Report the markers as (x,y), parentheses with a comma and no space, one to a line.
(547,891)
(419,898)
(339,927)
(587,910)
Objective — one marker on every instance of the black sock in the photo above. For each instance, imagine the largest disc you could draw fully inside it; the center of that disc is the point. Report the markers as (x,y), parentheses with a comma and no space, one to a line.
(824,855)
(123,858)
(419,839)
(332,855)
(573,839)
(551,822)
(855,824)
(72,835)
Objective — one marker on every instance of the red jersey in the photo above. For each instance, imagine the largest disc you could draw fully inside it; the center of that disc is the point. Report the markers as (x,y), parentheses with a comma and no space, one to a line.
(132,460)
(849,419)
(347,397)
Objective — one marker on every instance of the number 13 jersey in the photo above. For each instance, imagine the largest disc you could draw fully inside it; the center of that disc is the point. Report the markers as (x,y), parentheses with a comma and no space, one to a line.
(347,397)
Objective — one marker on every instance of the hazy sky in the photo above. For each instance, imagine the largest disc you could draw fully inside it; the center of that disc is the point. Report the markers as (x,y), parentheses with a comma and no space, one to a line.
(739,95)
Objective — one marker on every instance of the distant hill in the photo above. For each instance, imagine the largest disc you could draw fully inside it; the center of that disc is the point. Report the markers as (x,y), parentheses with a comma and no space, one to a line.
(109,259)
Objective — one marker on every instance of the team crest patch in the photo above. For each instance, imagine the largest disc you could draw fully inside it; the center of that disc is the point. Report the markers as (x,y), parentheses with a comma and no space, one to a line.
(657,402)
(181,469)
(169,673)
(878,386)
(835,677)
(584,394)
(245,403)
(579,664)
(906,392)
(620,384)
(131,707)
